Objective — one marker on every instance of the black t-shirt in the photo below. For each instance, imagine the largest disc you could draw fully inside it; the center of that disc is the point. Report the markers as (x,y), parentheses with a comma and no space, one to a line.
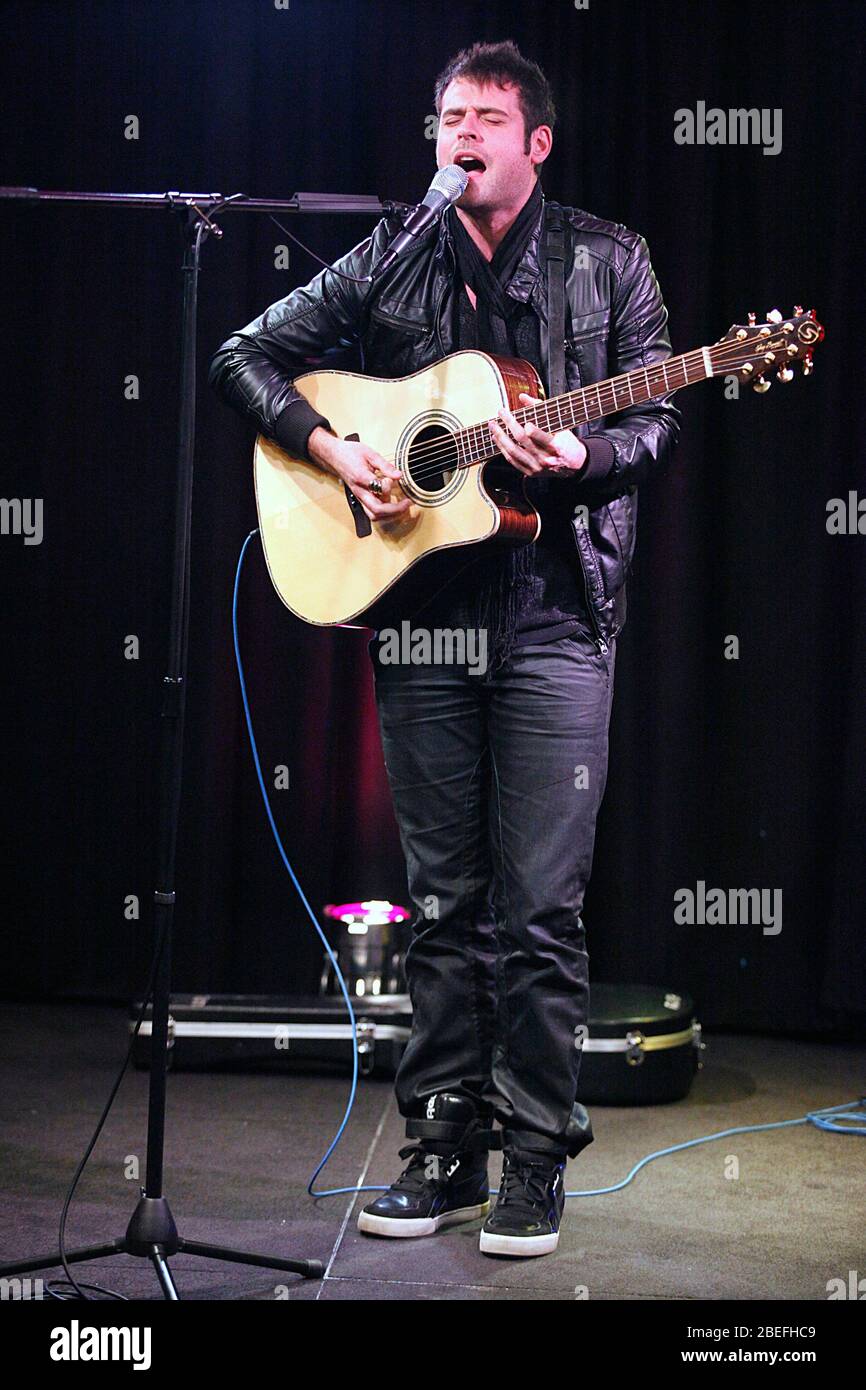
(442,590)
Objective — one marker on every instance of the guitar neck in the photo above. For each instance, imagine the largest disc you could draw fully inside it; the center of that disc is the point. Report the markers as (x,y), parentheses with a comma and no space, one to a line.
(593,402)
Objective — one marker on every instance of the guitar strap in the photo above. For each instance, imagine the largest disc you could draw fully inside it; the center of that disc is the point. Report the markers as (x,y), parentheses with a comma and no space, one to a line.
(555,253)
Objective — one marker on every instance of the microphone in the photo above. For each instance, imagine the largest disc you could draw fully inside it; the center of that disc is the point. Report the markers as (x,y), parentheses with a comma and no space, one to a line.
(445,189)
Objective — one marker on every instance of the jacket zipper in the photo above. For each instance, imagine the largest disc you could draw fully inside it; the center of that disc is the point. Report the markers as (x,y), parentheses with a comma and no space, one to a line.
(437,313)
(381,317)
(600,642)
(447,254)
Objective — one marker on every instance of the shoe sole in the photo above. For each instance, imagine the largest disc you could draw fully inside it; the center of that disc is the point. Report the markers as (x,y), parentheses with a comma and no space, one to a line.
(403,1227)
(492,1244)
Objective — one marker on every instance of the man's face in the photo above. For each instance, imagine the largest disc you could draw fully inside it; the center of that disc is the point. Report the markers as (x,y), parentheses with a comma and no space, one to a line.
(487,122)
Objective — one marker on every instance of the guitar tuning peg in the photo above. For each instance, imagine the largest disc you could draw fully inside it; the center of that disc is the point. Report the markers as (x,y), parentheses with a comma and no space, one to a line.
(774,316)
(798,309)
(761,384)
(751,320)
(785,374)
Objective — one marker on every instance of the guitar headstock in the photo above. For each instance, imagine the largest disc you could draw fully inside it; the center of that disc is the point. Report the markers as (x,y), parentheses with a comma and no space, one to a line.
(751,351)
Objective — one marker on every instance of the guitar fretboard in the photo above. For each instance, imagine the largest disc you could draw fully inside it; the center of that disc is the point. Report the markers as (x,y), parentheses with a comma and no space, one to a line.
(593,402)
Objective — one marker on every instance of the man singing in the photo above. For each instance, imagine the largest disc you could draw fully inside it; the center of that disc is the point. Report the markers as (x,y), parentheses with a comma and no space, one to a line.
(497,776)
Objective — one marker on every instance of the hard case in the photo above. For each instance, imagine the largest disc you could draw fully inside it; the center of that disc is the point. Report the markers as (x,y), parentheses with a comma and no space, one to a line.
(643,1045)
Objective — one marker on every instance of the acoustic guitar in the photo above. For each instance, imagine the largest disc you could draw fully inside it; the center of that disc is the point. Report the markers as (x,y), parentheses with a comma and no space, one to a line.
(329,563)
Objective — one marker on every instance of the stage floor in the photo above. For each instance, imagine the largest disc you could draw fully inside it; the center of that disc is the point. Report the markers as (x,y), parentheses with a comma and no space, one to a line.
(241,1146)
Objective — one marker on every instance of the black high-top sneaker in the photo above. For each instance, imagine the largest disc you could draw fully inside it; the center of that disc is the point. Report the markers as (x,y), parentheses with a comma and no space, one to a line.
(445,1182)
(528,1211)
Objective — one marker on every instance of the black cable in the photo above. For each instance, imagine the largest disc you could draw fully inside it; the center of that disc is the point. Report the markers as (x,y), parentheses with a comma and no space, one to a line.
(356,279)
(79,1288)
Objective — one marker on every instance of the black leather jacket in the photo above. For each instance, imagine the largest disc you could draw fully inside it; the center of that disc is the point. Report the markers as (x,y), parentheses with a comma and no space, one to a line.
(616,321)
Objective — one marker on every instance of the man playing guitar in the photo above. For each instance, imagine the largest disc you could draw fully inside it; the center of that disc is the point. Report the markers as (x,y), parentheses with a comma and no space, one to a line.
(497,777)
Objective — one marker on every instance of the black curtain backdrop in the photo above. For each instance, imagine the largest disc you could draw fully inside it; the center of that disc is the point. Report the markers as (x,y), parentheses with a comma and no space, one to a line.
(743,773)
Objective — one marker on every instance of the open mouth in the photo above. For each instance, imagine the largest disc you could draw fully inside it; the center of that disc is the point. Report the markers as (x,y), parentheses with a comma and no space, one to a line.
(470,162)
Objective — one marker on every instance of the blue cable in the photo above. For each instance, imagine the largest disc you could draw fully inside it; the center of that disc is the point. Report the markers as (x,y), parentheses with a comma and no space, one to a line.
(851,1123)
(312,916)
(858,1127)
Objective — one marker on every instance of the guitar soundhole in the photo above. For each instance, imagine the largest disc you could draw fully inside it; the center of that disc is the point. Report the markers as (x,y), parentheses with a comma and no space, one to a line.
(432,459)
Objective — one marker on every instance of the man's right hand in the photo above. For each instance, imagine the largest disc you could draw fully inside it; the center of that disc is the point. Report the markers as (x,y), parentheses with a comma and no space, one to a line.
(358,465)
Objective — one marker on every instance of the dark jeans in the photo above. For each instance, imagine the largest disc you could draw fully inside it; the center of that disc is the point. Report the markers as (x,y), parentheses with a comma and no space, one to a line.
(497,780)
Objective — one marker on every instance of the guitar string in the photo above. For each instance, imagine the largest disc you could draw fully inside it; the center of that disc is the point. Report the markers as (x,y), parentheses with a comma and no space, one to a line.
(436,449)
(443,449)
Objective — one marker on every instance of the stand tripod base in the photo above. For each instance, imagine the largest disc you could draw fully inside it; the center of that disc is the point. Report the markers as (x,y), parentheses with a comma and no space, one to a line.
(152,1234)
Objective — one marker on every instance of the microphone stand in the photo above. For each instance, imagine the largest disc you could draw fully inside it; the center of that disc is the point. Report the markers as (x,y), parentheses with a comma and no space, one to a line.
(151,1232)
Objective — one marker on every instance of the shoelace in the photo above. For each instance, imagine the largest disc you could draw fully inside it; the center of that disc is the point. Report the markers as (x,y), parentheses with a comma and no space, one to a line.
(414,1178)
(525,1184)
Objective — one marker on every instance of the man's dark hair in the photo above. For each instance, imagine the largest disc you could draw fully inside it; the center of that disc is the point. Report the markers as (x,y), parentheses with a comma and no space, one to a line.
(505,65)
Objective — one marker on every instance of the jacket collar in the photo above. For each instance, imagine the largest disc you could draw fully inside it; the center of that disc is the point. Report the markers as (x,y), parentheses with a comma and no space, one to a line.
(528,270)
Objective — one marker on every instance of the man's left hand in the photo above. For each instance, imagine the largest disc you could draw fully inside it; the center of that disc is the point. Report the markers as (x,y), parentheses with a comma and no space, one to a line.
(530,449)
